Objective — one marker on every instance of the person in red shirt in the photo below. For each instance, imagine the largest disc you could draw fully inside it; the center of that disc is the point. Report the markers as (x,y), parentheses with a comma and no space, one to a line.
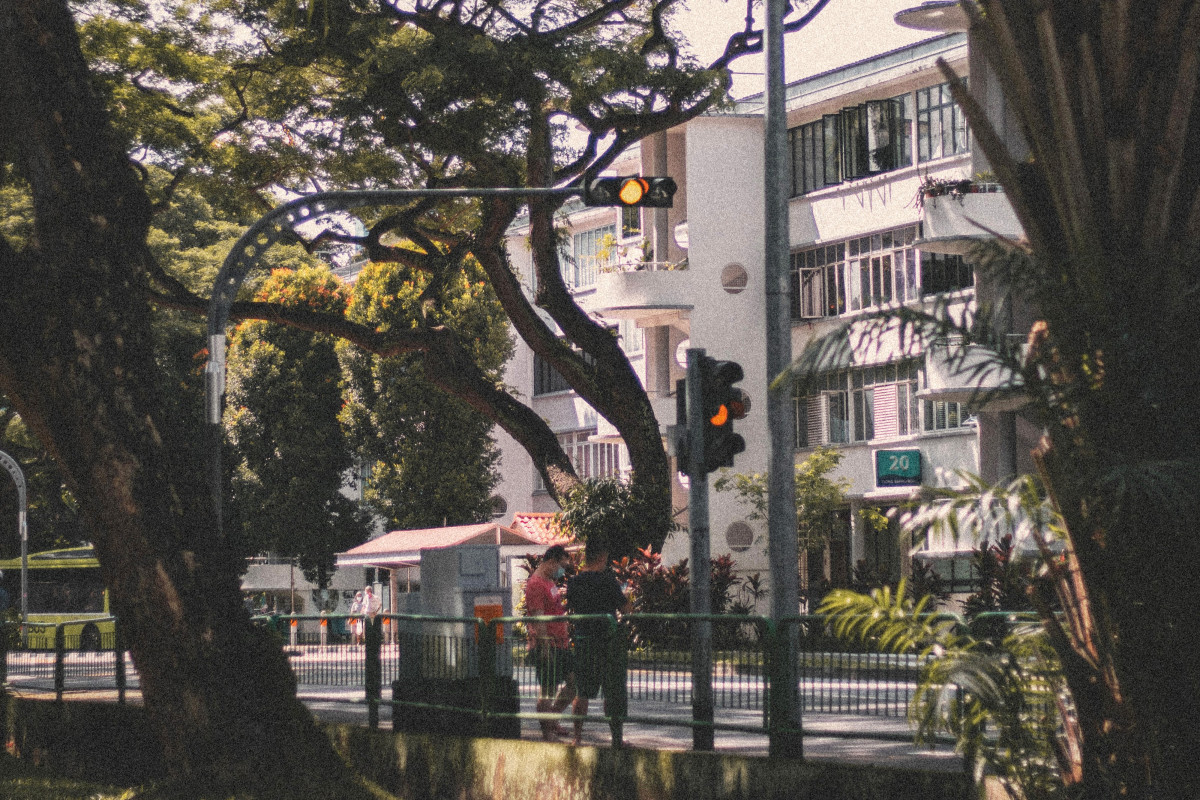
(548,641)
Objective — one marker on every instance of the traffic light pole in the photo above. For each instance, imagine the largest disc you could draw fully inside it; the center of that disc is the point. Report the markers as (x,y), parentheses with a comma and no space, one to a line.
(782,544)
(701,603)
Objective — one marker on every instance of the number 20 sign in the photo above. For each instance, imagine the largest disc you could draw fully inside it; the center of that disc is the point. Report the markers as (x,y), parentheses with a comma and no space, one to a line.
(897,467)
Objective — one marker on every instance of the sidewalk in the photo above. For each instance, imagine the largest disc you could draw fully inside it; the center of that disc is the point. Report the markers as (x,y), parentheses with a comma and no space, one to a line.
(842,738)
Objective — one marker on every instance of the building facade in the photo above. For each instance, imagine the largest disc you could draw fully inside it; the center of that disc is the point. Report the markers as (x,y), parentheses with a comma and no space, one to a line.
(866,141)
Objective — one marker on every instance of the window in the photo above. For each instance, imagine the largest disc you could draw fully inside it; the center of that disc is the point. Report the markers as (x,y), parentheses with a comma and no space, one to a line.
(546,379)
(875,137)
(589,251)
(859,273)
(631,221)
(816,155)
(861,140)
(945,273)
(590,459)
(941,125)
(823,417)
(942,415)
(631,336)
(819,282)
(908,408)
(860,405)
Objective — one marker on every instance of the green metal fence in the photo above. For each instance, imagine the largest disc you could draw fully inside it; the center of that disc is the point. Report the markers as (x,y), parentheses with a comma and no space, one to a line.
(78,661)
(467,674)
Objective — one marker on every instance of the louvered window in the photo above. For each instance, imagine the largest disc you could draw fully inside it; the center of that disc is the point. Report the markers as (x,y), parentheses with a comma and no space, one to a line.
(861,405)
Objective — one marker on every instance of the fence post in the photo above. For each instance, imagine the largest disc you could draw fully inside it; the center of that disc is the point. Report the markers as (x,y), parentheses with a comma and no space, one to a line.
(60,650)
(616,689)
(119,655)
(485,635)
(782,739)
(373,669)
(5,628)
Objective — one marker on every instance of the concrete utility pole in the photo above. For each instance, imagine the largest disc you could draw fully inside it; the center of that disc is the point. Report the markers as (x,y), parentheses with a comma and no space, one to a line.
(781,492)
(701,598)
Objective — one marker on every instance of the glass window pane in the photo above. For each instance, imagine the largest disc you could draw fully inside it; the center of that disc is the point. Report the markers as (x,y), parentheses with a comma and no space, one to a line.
(859,429)
(830,154)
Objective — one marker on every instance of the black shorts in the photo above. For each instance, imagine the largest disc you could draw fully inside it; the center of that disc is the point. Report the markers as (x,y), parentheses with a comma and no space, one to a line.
(590,664)
(552,665)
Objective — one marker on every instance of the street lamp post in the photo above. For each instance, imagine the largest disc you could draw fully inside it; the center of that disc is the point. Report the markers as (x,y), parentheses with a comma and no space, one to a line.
(18,476)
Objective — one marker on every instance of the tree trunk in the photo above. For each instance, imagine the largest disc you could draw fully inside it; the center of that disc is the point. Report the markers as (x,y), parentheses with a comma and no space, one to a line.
(76,360)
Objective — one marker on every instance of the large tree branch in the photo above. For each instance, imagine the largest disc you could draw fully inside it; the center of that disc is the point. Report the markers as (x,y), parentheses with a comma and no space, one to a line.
(448,364)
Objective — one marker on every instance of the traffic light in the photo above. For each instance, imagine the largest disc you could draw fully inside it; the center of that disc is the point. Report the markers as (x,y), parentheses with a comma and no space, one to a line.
(629,190)
(723,403)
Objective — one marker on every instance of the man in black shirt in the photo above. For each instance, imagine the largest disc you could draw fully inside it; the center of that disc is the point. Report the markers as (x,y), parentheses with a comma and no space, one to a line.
(594,590)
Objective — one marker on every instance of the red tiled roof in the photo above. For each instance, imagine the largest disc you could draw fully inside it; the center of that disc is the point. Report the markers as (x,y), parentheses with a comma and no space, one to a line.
(541,528)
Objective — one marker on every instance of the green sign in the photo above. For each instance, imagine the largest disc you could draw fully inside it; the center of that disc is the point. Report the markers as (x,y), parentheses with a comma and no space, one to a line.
(897,467)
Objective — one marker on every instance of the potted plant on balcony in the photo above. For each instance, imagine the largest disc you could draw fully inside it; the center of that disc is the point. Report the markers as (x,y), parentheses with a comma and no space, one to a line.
(954,187)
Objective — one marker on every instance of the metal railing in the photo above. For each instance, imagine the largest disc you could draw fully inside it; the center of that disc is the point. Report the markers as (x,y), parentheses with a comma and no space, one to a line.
(474,674)
(86,661)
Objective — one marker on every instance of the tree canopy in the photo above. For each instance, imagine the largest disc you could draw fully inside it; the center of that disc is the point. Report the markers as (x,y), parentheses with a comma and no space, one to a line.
(91,108)
(292,457)
(433,460)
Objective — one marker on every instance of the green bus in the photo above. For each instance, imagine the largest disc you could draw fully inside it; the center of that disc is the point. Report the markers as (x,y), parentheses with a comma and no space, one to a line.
(64,586)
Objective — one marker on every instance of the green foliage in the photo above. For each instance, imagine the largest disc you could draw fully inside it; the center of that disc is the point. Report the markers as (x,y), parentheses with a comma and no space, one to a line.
(433,458)
(1001,698)
(818,497)
(290,453)
(1001,519)
(978,512)
(611,510)
(923,581)
(1005,580)
(53,517)
(658,589)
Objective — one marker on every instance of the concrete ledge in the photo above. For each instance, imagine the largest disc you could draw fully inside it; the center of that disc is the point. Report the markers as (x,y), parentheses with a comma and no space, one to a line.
(424,766)
(109,742)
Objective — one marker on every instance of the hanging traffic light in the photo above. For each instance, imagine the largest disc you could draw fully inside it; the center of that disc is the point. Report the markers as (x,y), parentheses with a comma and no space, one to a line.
(629,190)
(723,403)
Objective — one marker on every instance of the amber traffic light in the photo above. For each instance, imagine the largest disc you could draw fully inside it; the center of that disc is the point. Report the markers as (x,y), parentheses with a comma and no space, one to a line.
(629,190)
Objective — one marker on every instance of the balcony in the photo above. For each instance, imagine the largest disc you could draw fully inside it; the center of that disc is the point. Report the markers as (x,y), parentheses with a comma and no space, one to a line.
(972,377)
(957,215)
(649,292)
(664,412)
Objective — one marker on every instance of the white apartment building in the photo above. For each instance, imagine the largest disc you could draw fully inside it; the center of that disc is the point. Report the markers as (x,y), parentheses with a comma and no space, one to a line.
(864,137)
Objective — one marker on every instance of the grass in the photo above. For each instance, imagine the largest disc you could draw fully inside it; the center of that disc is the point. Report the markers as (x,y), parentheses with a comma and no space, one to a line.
(20,780)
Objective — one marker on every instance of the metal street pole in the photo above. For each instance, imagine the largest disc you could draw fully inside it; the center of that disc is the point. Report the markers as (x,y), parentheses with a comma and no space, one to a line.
(701,601)
(781,493)
(18,476)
